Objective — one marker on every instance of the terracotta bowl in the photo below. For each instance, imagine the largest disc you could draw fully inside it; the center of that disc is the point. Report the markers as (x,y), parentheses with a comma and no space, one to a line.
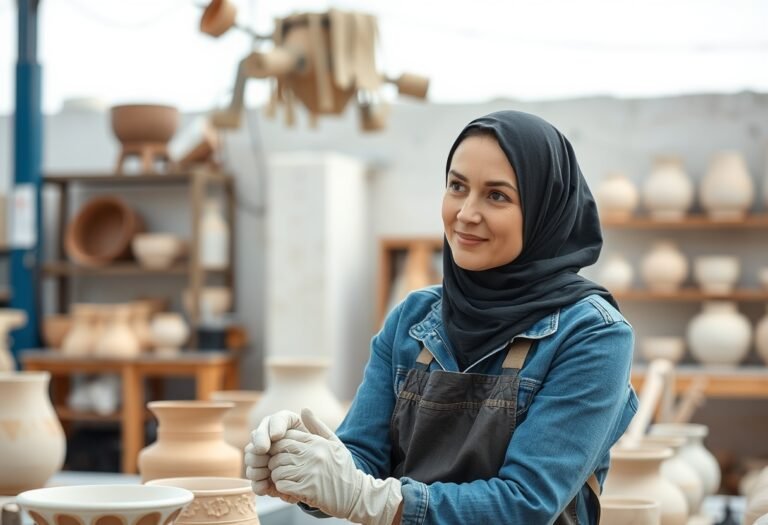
(105,504)
(157,250)
(144,123)
(55,328)
(102,232)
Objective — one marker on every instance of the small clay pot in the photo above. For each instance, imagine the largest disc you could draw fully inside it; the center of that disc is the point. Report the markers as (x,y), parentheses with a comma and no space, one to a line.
(144,123)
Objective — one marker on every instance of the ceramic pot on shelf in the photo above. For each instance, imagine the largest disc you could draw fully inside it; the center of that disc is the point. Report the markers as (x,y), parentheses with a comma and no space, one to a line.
(190,442)
(118,338)
(668,191)
(693,451)
(727,190)
(54,330)
(81,338)
(217,500)
(32,443)
(761,337)
(141,313)
(664,268)
(169,333)
(719,335)
(637,471)
(214,237)
(237,429)
(10,319)
(663,347)
(619,510)
(677,470)
(717,274)
(617,197)
(616,274)
(296,383)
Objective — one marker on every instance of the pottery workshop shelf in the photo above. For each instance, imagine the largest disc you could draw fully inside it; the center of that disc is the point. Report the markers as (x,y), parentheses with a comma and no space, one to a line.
(693,295)
(67,268)
(743,382)
(212,371)
(110,179)
(690,222)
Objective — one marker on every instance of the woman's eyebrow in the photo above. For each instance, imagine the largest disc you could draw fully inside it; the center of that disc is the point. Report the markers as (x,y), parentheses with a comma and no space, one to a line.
(490,183)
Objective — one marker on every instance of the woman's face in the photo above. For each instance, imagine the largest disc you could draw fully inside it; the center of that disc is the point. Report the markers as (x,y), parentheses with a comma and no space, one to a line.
(482,213)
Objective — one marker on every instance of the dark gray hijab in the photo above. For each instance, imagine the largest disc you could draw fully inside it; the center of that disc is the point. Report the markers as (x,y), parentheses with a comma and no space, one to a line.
(483,310)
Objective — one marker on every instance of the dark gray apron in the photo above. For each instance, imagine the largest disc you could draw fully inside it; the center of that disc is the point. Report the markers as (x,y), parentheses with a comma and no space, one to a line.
(455,427)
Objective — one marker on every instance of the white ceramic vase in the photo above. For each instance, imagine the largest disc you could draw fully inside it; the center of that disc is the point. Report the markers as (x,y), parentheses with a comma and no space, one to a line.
(693,451)
(761,337)
(119,338)
(663,347)
(619,510)
(617,197)
(32,443)
(757,500)
(727,190)
(664,268)
(237,429)
(677,470)
(636,472)
(719,334)
(668,191)
(716,274)
(81,338)
(296,383)
(169,333)
(616,274)
(214,240)
(9,320)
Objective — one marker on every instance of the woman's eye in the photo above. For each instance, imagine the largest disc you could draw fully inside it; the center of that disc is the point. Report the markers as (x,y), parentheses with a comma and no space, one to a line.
(498,196)
(455,186)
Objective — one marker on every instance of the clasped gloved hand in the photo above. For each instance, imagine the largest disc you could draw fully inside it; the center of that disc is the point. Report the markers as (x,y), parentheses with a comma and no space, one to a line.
(311,464)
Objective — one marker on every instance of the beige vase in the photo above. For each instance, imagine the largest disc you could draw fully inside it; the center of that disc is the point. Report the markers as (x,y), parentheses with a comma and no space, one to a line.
(296,383)
(169,333)
(81,338)
(617,197)
(664,268)
(717,274)
(190,442)
(694,452)
(761,337)
(727,190)
(141,313)
(636,472)
(9,320)
(237,430)
(668,191)
(719,334)
(32,443)
(616,274)
(757,499)
(677,470)
(618,510)
(217,501)
(118,340)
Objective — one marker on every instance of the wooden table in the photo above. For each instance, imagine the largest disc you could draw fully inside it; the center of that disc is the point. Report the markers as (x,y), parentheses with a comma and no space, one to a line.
(212,371)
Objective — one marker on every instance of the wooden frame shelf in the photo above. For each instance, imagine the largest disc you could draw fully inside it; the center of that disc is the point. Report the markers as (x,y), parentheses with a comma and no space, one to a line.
(739,382)
(693,295)
(127,268)
(690,222)
(111,179)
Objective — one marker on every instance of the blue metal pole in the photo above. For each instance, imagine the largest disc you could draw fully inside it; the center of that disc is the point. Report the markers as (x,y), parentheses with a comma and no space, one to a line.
(25,200)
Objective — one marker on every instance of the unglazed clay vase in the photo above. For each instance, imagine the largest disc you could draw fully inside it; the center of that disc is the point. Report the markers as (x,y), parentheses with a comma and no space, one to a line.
(217,500)
(296,383)
(237,429)
(157,250)
(617,197)
(677,470)
(761,337)
(719,335)
(141,313)
(54,330)
(727,190)
(105,504)
(664,268)
(716,274)
(10,319)
(118,340)
(616,274)
(169,332)
(637,472)
(32,441)
(81,338)
(693,451)
(668,191)
(190,442)
(618,510)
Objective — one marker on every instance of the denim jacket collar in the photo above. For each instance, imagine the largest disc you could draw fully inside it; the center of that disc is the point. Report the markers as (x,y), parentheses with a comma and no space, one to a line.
(431,333)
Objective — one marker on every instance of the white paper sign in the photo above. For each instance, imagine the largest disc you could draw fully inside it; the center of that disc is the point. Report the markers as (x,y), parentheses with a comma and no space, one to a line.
(23,219)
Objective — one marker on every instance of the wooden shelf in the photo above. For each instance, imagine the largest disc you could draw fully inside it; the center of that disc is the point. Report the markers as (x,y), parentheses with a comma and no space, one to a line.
(107,179)
(67,414)
(693,295)
(745,382)
(64,268)
(690,222)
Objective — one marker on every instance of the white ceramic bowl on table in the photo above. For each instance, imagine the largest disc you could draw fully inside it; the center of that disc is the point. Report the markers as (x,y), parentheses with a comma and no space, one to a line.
(105,504)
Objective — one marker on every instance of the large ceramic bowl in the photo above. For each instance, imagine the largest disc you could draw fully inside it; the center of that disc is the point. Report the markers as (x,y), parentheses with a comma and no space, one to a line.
(105,504)
(144,123)
(662,347)
(157,250)
(217,500)
(716,274)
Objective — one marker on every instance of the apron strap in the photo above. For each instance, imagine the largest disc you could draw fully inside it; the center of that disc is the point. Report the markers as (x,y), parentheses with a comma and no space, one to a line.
(516,354)
(594,488)
(424,359)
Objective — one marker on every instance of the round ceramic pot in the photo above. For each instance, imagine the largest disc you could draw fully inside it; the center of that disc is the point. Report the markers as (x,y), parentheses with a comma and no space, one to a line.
(662,347)
(719,335)
(118,339)
(32,443)
(142,123)
(190,442)
(618,510)
(616,274)
(296,383)
(716,274)
(727,190)
(55,329)
(668,191)
(237,430)
(168,332)
(157,250)
(664,268)
(10,319)
(81,338)
(617,197)
(217,500)
(677,470)
(693,451)
(637,471)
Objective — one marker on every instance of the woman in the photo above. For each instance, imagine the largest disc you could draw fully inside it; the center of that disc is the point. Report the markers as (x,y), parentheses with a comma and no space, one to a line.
(495,397)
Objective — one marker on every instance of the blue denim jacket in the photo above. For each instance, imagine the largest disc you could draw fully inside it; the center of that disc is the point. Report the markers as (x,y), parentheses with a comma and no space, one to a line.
(574,402)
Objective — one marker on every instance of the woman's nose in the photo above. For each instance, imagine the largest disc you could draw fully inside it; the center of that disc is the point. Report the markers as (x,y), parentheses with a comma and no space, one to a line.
(469,211)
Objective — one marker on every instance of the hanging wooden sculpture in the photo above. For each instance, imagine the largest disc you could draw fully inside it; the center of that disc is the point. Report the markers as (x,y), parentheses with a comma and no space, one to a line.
(321,60)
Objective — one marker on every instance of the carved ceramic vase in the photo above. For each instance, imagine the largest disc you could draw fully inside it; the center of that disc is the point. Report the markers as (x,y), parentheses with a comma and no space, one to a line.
(616,274)
(668,191)
(9,320)
(664,268)
(190,442)
(727,190)
(617,197)
(719,334)
(618,510)
(677,470)
(32,443)
(118,340)
(761,337)
(237,430)
(693,451)
(716,274)
(637,472)
(296,383)
(217,500)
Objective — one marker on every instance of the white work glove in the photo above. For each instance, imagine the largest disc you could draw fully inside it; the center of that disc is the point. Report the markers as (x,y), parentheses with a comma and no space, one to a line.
(318,469)
(271,428)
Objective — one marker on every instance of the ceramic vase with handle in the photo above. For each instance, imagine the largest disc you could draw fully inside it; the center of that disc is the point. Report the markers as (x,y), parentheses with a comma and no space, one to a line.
(727,190)
(719,334)
(190,442)
(32,443)
(668,191)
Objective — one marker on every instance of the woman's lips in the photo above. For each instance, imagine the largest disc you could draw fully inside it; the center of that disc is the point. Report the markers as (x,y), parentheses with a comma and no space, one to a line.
(467,239)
